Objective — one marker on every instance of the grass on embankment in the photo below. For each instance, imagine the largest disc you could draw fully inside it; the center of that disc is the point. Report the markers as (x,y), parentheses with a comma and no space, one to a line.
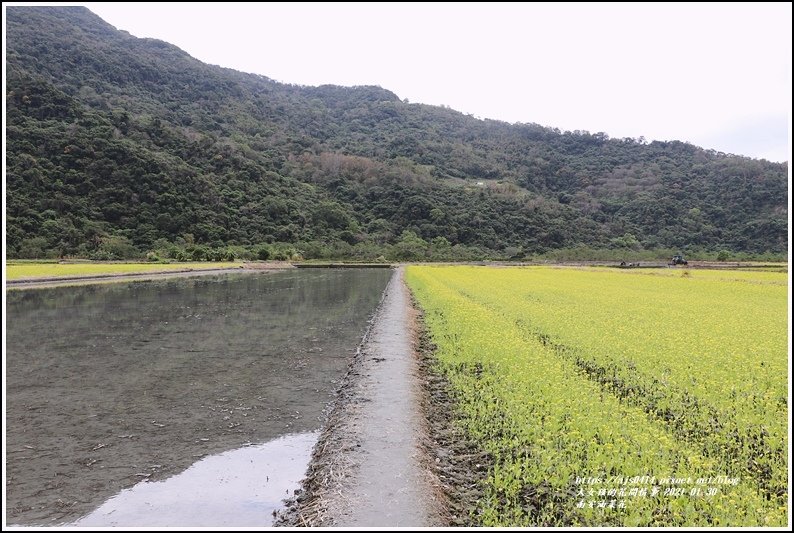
(26,270)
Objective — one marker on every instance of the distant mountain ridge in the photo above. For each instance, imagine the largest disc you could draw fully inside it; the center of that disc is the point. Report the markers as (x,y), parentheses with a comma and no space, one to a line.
(116,140)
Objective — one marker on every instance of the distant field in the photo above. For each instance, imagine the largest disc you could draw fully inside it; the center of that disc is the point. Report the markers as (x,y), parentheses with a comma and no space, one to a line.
(578,382)
(24,270)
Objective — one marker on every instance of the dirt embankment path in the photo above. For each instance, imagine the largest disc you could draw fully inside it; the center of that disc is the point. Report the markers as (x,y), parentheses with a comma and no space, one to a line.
(370,467)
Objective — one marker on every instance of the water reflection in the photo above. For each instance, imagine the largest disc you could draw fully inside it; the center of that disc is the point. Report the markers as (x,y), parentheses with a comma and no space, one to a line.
(235,488)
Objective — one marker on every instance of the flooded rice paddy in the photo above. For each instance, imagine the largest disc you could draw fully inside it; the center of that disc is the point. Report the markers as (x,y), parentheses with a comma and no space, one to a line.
(191,402)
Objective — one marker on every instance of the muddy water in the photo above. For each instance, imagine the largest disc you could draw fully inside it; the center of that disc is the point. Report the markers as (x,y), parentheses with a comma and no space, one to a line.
(112,385)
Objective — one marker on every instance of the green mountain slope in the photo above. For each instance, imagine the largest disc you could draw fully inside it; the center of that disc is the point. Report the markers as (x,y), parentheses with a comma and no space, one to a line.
(118,141)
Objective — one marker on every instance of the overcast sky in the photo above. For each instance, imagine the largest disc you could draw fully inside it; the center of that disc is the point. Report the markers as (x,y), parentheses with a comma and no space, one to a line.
(716,75)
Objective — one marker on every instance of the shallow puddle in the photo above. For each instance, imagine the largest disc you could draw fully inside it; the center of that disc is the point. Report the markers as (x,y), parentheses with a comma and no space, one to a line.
(236,488)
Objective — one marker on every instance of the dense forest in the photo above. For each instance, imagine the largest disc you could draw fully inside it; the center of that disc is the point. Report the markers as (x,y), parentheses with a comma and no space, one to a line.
(118,146)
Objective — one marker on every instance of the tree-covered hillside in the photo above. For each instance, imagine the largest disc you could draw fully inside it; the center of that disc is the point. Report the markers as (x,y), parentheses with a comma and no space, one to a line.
(117,144)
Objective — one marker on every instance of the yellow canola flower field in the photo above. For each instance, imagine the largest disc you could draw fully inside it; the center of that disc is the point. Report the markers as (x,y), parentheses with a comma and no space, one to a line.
(29,270)
(614,397)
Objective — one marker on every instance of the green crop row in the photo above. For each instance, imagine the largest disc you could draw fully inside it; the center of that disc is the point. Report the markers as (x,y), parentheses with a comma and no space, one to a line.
(697,353)
(515,345)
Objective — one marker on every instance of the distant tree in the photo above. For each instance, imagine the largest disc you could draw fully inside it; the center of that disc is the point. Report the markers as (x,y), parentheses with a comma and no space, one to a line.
(410,247)
(116,247)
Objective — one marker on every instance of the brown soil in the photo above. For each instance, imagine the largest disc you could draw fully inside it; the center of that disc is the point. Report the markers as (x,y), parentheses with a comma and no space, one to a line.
(458,463)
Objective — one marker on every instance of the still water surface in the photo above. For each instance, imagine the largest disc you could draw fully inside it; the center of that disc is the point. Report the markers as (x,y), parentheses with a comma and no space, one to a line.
(109,386)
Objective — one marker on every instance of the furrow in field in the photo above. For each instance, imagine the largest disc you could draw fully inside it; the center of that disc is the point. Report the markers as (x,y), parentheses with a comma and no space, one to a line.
(546,424)
(754,448)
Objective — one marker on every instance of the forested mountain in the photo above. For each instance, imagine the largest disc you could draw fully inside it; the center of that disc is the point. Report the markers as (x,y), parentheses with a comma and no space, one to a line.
(117,144)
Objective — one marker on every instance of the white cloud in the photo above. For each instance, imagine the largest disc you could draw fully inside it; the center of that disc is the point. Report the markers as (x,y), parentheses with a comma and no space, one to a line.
(684,71)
